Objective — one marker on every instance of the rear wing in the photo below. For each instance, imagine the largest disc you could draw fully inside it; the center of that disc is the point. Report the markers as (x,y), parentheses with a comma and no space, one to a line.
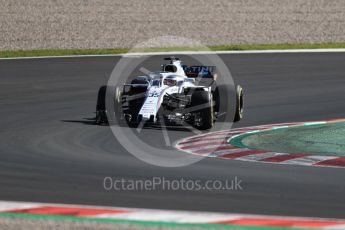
(200,71)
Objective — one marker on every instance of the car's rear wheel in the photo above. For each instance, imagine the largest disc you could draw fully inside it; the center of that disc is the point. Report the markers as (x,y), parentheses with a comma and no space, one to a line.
(239,104)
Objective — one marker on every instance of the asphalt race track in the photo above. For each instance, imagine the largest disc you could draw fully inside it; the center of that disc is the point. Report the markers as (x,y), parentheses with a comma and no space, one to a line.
(51,151)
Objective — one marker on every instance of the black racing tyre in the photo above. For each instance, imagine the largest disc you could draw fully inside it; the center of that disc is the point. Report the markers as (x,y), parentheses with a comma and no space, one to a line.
(123,117)
(101,112)
(119,119)
(101,98)
(118,99)
(132,124)
(204,100)
(135,101)
(101,118)
(216,99)
(239,104)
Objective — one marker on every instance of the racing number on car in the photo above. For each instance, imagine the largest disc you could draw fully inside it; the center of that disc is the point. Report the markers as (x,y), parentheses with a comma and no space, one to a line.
(154,94)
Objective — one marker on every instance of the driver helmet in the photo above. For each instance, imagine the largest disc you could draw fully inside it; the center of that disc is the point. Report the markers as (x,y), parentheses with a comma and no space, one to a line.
(170,81)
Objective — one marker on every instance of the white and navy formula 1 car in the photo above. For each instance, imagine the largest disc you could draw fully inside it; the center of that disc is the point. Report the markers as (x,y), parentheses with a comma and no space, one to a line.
(178,94)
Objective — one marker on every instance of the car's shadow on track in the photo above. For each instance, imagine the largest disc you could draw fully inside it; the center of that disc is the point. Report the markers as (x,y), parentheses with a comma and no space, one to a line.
(92,121)
(85,121)
(169,128)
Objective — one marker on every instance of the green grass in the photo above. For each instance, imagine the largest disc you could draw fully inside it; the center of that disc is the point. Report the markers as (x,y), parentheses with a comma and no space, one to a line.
(279,46)
(314,139)
(37,53)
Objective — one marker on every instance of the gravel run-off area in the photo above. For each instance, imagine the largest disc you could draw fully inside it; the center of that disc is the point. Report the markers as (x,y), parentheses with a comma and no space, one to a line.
(99,24)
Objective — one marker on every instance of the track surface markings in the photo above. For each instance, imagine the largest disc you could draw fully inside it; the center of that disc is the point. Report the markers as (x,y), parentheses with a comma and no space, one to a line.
(155,217)
(217,144)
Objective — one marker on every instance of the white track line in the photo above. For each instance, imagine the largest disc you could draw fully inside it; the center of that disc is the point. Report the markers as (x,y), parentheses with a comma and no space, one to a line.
(260,156)
(309,160)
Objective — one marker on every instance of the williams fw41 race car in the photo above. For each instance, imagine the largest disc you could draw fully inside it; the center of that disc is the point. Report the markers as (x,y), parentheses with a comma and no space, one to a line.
(176,95)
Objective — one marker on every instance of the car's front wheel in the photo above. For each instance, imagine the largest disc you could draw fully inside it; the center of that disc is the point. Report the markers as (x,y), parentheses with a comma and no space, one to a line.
(202,106)
(101,112)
